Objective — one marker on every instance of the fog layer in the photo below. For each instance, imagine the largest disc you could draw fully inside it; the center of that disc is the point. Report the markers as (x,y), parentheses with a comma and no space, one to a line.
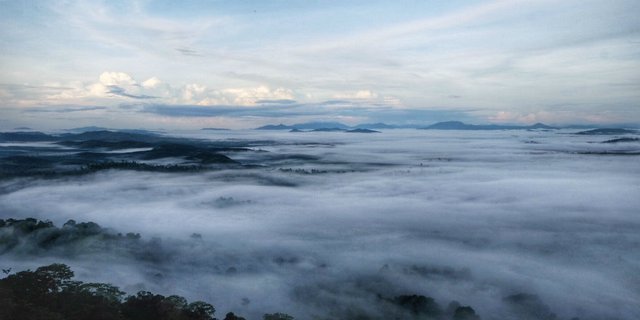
(326,223)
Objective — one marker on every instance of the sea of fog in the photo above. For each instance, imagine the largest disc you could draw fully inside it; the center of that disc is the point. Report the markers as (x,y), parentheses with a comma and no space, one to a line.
(325,223)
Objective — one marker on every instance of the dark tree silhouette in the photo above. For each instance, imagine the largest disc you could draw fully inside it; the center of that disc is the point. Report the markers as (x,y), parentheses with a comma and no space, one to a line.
(231,316)
(419,305)
(465,313)
(50,293)
(277,316)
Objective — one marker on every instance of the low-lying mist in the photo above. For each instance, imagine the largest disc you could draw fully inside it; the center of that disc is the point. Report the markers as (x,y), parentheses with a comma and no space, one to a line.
(516,224)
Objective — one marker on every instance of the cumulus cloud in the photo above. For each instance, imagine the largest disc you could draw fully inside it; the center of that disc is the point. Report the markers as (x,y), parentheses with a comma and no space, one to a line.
(120,85)
(360,94)
(193,93)
(249,96)
(151,82)
(116,79)
(109,85)
(367,97)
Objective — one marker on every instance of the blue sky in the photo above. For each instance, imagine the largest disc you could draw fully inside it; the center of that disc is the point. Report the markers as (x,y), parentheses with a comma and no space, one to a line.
(151,64)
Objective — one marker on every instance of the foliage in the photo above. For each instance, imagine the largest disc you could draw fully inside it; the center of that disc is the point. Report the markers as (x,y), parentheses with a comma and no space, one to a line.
(232,316)
(49,293)
(277,316)
(419,305)
(34,236)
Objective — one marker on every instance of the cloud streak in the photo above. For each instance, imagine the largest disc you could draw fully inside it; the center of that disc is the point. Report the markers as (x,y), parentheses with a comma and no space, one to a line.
(118,91)
(296,111)
(67,109)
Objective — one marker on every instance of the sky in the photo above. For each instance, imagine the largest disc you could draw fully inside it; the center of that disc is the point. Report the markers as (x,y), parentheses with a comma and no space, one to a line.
(240,64)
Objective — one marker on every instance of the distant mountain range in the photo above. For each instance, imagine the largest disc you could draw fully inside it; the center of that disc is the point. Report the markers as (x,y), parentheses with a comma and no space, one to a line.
(447,125)
(97,129)
(607,131)
(26,134)
(457,125)
(380,125)
(306,126)
(326,126)
(357,130)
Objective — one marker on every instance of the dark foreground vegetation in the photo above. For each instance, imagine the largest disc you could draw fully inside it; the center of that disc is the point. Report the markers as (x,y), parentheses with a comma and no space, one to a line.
(50,292)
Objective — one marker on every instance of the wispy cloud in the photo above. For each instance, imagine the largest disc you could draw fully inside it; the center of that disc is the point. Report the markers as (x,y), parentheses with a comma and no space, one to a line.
(188,52)
(280,101)
(118,91)
(380,36)
(63,109)
(296,112)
